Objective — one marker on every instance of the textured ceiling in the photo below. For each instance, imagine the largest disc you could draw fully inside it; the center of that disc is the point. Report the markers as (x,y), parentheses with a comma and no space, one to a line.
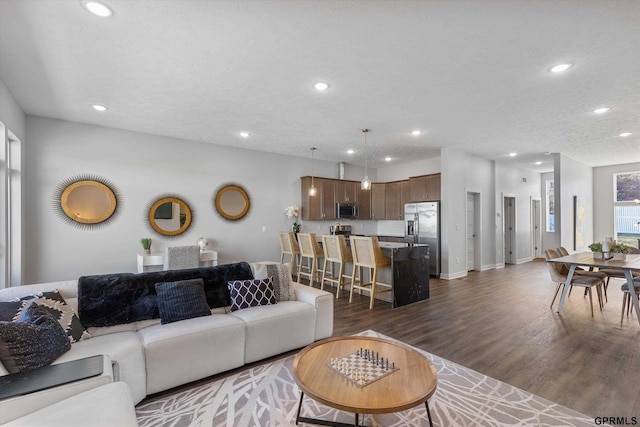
(471,74)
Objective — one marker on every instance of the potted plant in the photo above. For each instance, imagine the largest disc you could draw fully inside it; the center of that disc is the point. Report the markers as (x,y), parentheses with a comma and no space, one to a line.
(619,251)
(146,245)
(596,248)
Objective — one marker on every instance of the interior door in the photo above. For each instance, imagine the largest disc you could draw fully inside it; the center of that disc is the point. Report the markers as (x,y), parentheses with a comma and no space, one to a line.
(471,232)
(536,219)
(510,230)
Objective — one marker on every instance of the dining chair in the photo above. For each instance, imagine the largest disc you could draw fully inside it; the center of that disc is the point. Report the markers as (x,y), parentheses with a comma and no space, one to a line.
(584,272)
(626,298)
(336,255)
(311,252)
(616,273)
(559,277)
(289,247)
(367,254)
(180,257)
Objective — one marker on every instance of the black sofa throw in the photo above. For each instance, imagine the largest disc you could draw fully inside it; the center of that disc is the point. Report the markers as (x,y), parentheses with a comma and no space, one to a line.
(114,299)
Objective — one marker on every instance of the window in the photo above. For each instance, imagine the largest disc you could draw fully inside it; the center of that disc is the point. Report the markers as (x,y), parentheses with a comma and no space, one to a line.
(627,208)
(551,206)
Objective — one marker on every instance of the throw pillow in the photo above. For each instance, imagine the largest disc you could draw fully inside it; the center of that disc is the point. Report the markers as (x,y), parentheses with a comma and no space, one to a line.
(184,299)
(57,307)
(282,283)
(251,293)
(35,340)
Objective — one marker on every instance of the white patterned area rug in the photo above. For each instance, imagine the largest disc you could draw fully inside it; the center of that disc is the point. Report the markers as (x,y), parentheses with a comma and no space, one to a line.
(266,395)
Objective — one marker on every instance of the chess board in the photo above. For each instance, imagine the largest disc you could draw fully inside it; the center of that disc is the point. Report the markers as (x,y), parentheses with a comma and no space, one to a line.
(360,371)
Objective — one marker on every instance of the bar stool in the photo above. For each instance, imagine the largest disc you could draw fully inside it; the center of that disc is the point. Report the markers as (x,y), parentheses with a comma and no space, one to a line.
(367,254)
(310,251)
(336,253)
(289,246)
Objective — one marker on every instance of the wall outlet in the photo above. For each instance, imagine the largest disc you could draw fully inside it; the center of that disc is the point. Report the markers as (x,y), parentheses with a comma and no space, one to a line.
(264,228)
(458,260)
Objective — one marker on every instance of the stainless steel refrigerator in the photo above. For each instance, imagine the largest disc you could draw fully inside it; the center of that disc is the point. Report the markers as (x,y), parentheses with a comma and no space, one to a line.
(422,225)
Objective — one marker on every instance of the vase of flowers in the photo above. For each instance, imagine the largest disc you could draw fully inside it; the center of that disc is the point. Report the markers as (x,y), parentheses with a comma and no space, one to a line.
(293,212)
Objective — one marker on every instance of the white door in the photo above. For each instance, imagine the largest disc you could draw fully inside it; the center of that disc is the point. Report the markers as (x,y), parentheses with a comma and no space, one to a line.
(471,232)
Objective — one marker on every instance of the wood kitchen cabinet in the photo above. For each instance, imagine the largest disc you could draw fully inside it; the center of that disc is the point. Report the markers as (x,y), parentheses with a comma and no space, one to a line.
(346,191)
(393,200)
(322,205)
(425,188)
(364,203)
(378,200)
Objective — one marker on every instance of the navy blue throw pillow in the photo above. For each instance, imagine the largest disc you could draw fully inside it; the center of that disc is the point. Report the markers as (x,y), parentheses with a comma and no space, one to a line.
(181,300)
(34,341)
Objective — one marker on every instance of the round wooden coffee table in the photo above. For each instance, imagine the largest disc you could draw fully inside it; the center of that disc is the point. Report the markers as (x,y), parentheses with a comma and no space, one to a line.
(411,384)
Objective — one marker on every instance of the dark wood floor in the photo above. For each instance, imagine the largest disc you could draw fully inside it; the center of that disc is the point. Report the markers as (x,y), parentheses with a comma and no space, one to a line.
(498,322)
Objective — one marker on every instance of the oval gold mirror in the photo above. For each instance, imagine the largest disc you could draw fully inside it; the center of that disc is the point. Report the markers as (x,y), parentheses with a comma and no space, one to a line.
(170,216)
(89,202)
(86,201)
(232,202)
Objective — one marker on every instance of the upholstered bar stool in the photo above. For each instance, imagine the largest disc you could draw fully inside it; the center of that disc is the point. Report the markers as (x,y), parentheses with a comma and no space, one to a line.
(336,254)
(311,252)
(367,254)
(289,247)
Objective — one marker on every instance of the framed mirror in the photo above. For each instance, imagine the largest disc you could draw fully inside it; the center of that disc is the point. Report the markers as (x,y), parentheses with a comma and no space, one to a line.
(170,216)
(86,201)
(232,202)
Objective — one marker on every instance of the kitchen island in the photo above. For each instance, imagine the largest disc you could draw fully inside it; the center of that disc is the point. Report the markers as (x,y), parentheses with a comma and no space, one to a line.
(409,273)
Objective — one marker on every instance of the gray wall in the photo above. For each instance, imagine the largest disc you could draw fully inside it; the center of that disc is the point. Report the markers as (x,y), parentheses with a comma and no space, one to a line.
(144,167)
(603,219)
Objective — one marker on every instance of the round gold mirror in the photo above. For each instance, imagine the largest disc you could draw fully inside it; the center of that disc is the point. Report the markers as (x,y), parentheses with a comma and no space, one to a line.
(86,201)
(89,202)
(170,216)
(232,202)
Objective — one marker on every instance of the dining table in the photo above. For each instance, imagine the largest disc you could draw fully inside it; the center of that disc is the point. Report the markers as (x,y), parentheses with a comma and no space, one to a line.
(591,260)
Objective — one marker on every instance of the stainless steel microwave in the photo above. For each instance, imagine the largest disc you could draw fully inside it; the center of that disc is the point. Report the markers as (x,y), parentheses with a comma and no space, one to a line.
(346,210)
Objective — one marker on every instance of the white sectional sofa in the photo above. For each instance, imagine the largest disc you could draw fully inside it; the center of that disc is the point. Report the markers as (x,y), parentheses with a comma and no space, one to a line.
(151,357)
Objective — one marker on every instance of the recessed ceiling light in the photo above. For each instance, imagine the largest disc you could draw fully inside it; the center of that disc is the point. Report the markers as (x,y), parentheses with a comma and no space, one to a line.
(387,159)
(245,134)
(350,151)
(601,110)
(513,154)
(99,107)
(538,163)
(321,86)
(560,68)
(98,9)
(624,134)
(416,132)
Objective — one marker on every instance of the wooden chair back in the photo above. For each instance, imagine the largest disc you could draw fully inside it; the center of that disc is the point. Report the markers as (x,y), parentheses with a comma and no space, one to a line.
(288,243)
(335,248)
(366,252)
(309,246)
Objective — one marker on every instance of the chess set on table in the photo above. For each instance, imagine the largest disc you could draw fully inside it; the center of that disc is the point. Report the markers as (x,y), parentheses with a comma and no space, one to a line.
(363,367)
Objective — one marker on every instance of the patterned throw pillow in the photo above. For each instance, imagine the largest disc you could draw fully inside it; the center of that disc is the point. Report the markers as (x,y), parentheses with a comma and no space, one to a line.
(184,299)
(56,306)
(36,339)
(282,283)
(251,293)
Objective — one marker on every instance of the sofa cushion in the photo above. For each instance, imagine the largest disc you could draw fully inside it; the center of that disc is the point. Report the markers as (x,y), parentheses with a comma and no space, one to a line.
(184,299)
(251,293)
(282,283)
(56,306)
(35,340)
(112,299)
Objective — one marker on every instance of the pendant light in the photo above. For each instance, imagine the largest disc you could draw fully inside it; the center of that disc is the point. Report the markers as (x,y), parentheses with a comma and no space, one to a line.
(312,189)
(365,184)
